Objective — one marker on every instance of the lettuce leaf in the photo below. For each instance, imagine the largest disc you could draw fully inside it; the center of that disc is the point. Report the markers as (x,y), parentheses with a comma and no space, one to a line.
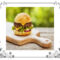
(21,29)
(13,27)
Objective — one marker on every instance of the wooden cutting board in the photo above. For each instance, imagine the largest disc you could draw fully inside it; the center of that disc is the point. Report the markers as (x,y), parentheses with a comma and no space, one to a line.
(20,40)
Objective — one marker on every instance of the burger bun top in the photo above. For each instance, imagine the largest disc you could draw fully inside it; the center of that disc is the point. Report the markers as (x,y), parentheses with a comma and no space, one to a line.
(22,18)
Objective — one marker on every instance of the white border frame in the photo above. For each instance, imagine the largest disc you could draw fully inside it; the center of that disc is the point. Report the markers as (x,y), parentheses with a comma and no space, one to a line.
(28,53)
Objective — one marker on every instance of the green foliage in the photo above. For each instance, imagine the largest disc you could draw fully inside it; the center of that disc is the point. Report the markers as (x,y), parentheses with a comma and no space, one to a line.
(41,16)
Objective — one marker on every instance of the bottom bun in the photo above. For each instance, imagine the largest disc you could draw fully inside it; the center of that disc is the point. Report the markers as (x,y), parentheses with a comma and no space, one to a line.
(21,33)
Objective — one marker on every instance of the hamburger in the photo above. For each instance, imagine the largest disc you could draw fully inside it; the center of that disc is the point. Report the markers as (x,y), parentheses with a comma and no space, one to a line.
(22,24)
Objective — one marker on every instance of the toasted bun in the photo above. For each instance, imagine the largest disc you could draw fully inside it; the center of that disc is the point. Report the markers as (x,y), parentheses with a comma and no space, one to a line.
(22,18)
(21,33)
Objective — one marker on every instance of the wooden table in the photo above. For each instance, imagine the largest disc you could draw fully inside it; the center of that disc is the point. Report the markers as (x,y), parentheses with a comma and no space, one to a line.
(44,32)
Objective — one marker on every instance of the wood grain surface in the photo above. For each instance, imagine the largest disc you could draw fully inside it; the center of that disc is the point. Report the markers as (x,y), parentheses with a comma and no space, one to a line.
(44,32)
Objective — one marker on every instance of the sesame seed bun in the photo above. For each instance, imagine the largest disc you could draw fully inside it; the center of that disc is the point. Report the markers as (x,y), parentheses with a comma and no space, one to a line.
(22,18)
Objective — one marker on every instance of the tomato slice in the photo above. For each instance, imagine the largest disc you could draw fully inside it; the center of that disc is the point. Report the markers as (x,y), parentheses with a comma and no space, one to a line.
(27,30)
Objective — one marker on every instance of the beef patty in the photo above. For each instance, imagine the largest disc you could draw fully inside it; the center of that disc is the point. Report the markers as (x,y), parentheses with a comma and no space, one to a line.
(19,24)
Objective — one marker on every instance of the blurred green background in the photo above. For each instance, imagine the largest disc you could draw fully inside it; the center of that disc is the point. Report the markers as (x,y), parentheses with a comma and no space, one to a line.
(41,16)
